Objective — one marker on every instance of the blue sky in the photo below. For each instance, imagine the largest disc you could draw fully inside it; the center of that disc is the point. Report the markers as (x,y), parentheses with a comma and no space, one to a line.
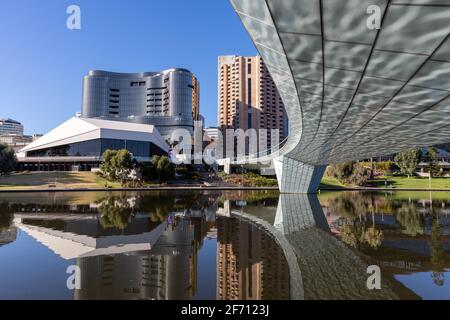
(42,63)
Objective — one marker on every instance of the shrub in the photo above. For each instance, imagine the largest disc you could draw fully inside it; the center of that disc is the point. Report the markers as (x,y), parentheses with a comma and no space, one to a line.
(349,173)
(341,171)
(359,176)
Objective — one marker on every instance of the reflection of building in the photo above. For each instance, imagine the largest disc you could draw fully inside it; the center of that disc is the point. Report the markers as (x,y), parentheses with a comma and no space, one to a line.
(81,142)
(10,126)
(168,271)
(144,260)
(73,236)
(248,98)
(168,100)
(251,265)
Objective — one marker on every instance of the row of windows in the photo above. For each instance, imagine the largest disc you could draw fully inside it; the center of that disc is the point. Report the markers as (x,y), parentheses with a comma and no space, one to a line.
(138,84)
(157,88)
(96,147)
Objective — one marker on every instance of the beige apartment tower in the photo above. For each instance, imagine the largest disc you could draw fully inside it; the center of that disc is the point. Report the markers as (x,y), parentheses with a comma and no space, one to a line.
(248,98)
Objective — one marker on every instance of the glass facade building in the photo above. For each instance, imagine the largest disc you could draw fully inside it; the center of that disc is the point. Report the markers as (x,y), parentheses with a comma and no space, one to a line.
(96,148)
(9,126)
(168,100)
(79,144)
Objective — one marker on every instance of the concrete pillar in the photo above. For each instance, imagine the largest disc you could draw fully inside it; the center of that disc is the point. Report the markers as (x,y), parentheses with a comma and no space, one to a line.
(296,177)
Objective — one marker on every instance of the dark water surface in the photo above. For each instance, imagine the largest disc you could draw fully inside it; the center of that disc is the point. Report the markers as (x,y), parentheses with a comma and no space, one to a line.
(224,245)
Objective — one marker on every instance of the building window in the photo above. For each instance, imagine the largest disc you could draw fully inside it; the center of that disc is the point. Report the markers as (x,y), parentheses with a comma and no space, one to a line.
(249,92)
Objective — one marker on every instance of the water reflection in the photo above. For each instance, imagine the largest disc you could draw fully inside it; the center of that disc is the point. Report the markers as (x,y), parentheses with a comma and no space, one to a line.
(405,233)
(251,264)
(230,245)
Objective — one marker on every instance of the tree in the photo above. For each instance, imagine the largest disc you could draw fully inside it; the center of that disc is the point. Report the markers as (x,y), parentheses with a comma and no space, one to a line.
(117,164)
(8,160)
(432,156)
(123,164)
(107,166)
(408,160)
(163,167)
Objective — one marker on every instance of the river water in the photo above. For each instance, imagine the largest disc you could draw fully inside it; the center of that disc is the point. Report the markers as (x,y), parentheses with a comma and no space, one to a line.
(224,245)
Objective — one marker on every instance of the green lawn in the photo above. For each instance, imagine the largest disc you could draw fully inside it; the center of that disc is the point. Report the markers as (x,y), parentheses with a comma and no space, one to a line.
(329,182)
(45,180)
(412,183)
(394,183)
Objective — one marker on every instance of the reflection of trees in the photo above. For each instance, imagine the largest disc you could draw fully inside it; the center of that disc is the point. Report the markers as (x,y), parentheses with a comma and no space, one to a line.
(252,197)
(115,212)
(359,228)
(410,219)
(373,237)
(437,252)
(6,217)
(160,214)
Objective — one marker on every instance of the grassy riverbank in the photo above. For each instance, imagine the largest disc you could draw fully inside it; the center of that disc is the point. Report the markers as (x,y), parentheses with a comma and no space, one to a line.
(57,180)
(89,180)
(394,182)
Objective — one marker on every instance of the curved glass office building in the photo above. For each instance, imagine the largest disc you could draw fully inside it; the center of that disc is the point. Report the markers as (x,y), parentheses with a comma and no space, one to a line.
(168,99)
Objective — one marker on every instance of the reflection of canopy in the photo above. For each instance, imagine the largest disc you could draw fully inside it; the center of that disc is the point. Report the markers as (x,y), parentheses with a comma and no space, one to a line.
(69,245)
(320,266)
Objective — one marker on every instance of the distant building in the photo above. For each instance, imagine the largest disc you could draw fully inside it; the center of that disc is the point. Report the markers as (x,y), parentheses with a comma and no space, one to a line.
(36,136)
(79,143)
(10,126)
(15,141)
(212,133)
(249,99)
(169,99)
